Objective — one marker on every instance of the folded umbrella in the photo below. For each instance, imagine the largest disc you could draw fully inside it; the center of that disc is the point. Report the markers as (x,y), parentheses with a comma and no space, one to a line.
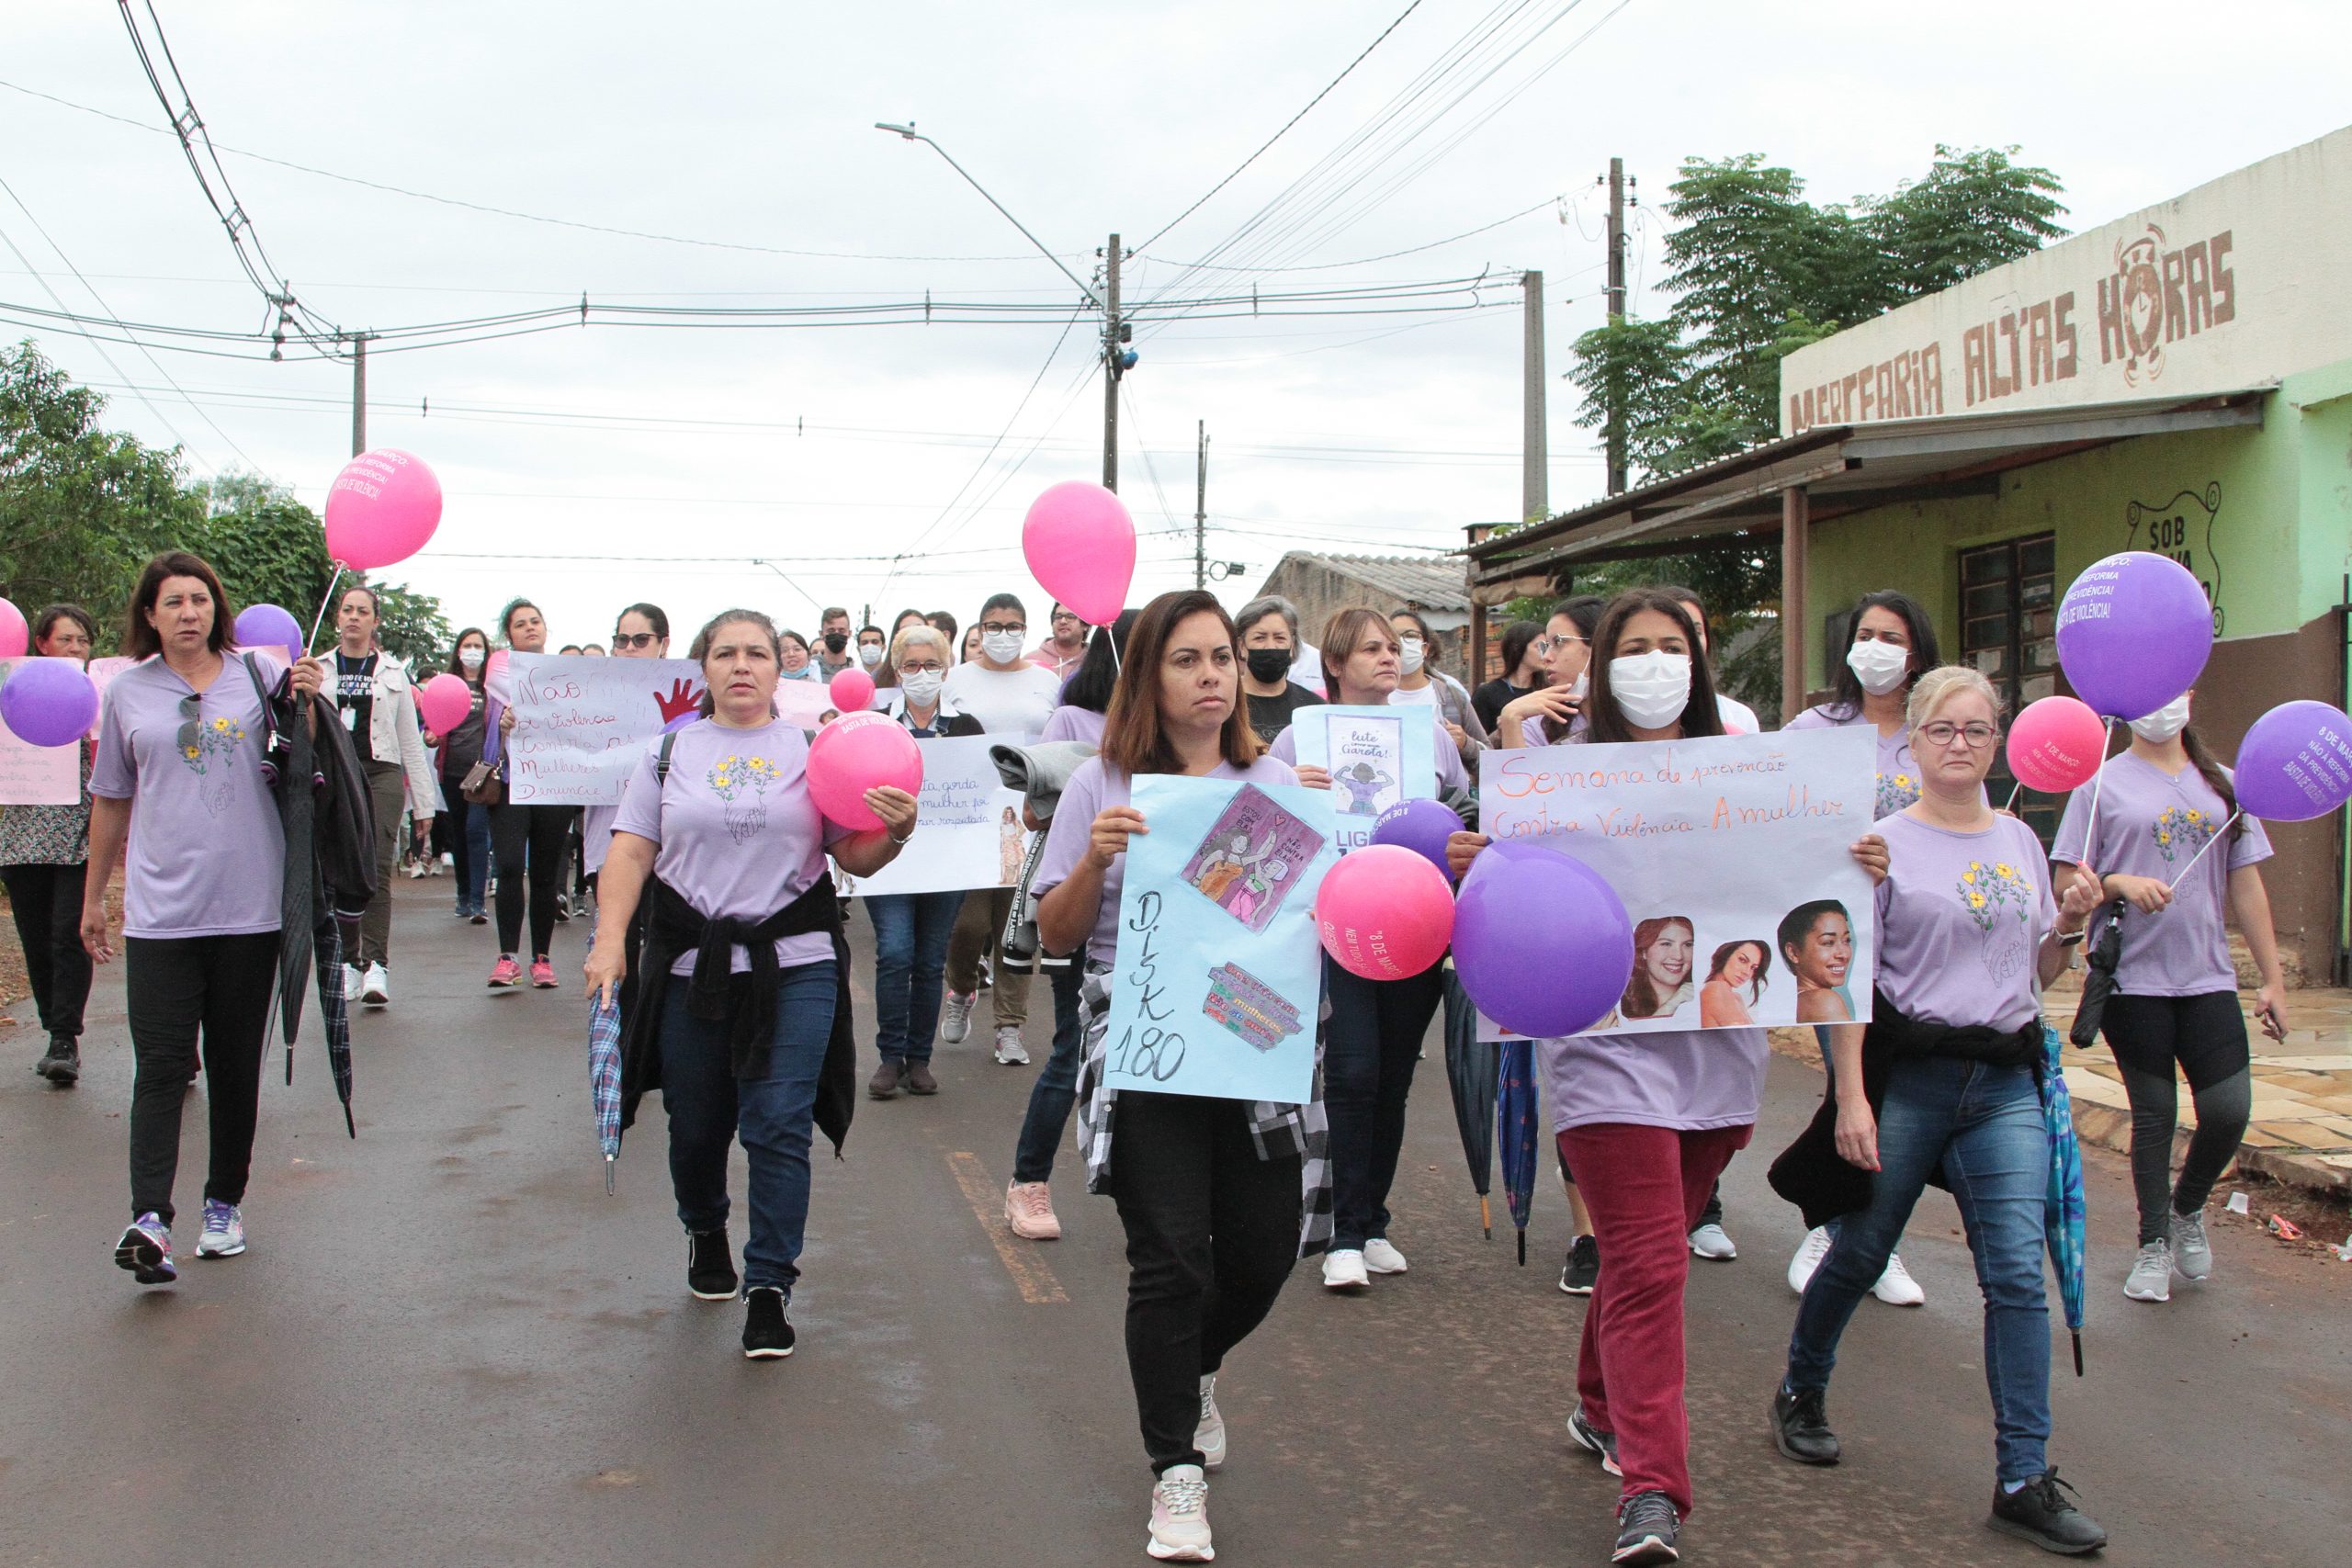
(326,936)
(605,1075)
(2063,1213)
(1516,1105)
(1472,1068)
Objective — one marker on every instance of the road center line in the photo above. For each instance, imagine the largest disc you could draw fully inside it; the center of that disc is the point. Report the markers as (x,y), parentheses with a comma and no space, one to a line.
(1030,1275)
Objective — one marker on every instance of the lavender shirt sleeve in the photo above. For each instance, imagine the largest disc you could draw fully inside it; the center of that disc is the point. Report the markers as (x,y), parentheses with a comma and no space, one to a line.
(1285,746)
(639,811)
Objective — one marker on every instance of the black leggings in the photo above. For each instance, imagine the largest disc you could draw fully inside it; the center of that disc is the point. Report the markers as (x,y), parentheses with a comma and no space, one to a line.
(47,902)
(172,988)
(535,835)
(449,830)
(2206,1034)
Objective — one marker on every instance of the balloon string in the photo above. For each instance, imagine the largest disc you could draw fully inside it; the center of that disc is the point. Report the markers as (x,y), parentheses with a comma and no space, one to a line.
(2208,844)
(2019,790)
(320,619)
(2091,822)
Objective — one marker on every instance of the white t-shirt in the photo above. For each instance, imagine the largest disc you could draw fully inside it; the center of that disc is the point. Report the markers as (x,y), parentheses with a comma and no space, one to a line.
(1006,702)
(1307,670)
(1426,697)
(1737,717)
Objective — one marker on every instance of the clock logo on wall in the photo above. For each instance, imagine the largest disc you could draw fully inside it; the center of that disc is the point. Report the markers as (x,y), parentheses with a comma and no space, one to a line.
(2183,529)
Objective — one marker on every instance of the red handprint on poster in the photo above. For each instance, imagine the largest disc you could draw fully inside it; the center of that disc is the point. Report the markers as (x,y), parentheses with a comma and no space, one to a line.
(683,698)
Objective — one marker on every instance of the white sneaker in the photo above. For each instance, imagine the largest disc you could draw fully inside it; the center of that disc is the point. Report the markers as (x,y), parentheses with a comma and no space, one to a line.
(2151,1276)
(1179,1517)
(1710,1242)
(1810,1252)
(1379,1258)
(224,1231)
(377,988)
(1209,1436)
(1009,1049)
(1343,1270)
(956,1022)
(350,981)
(1895,1287)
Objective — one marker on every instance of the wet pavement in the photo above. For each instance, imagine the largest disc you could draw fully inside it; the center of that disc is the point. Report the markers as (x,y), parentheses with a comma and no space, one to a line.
(446,1344)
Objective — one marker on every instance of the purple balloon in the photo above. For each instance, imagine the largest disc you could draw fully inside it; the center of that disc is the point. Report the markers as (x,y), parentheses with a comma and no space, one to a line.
(2295,762)
(49,702)
(1420,825)
(2134,633)
(267,625)
(1542,944)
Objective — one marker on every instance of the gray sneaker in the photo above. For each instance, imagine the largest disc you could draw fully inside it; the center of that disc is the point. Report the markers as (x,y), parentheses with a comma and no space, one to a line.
(2151,1277)
(2191,1253)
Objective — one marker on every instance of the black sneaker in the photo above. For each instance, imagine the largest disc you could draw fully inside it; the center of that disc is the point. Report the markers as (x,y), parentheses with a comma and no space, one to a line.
(62,1065)
(1583,1270)
(767,1337)
(1646,1526)
(2038,1512)
(1800,1426)
(710,1266)
(1592,1440)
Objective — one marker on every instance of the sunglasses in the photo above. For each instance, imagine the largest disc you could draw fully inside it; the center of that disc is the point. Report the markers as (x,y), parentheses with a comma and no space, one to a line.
(622,641)
(191,721)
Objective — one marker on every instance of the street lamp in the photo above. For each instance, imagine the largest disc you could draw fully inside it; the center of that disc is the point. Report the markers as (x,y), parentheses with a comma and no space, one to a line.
(912,134)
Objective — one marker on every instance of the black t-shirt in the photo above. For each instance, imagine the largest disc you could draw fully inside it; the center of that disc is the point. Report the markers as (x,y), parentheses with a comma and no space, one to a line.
(1490,699)
(354,696)
(1271,715)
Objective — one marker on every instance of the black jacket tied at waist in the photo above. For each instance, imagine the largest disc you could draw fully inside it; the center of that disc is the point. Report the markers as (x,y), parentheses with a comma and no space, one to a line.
(745,1003)
(1811,1173)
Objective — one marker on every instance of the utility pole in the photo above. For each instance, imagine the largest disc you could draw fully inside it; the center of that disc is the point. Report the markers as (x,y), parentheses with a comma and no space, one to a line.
(1201,510)
(1112,368)
(1535,455)
(1616,292)
(359,393)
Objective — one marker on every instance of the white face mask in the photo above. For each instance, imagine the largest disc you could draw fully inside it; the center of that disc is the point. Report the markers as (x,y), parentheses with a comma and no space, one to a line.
(1001,647)
(869,654)
(1879,665)
(1581,684)
(2165,722)
(1651,689)
(1411,652)
(922,687)
(471,658)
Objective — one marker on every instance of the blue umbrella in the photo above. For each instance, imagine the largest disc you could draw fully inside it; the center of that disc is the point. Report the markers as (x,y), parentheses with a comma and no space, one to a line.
(2063,1215)
(604,1076)
(1515,1116)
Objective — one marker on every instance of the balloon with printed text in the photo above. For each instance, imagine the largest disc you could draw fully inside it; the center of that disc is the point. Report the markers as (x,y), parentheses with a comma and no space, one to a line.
(381,509)
(2134,631)
(1541,943)
(1384,913)
(1080,546)
(2295,762)
(2056,745)
(857,752)
(1420,825)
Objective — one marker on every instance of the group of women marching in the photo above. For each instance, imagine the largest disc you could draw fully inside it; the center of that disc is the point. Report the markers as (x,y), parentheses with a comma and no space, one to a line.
(719,932)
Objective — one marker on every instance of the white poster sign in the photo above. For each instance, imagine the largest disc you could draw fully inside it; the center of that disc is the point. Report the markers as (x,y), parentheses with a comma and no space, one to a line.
(1376,757)
(581,723)
(1733,856)
(35,775)
(968,833)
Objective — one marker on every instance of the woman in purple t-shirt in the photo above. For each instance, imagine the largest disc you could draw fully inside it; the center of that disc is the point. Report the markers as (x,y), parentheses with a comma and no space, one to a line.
(1210,1192)
(178,776)
(742,981)
(1944,1080)
(2176,996)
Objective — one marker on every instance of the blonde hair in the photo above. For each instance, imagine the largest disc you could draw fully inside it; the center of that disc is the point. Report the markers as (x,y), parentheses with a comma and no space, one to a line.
(930,636)
(1939,686)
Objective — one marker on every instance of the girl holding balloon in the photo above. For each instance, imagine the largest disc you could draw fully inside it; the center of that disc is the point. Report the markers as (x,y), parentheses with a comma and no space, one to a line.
(44,856)
(1210,1192)
(742,999)
(2160,806)
(532,842)
(1373,1035)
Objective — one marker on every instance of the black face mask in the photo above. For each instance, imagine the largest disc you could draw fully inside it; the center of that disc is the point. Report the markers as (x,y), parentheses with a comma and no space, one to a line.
(836,641)
(1269,665)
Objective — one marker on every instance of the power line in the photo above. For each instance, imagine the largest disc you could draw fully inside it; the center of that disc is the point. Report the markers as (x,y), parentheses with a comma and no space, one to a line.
(1293,119)
(1386,256)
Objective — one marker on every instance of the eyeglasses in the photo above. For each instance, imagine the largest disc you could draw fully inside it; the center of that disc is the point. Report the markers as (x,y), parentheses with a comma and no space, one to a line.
(1004,626)
(925,667)
(1544,645)
(623,641)
(1940,735)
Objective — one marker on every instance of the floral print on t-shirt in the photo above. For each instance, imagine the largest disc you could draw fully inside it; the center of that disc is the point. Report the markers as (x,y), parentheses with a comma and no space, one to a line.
(1897,791)
(2181,831)
(1999,898)
(732,777)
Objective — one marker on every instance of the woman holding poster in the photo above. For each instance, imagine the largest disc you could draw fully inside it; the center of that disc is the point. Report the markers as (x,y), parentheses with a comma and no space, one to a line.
(1943,1081)
(532,843)
(641,631)
(1210,1191)
(44,856)
(743,996)
(1372,1039)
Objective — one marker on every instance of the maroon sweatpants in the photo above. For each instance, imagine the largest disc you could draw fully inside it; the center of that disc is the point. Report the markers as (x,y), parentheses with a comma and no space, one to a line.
(1645,1186)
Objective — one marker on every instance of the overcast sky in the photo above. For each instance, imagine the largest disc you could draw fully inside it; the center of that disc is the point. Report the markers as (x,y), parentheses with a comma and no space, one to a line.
(748,126)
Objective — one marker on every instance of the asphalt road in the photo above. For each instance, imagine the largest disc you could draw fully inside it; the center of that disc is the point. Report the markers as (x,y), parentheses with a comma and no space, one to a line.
(446,1344)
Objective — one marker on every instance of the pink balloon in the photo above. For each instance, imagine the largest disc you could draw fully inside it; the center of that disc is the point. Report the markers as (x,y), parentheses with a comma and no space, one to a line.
(15,636)
(444,701)
(1384,913)
(1080,545)
(2056,745)
(857,752)
(381,509)
(852,690)
(496,679)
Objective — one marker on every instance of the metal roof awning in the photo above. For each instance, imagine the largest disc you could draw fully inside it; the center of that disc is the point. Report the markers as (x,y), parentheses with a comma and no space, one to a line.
(1843,468)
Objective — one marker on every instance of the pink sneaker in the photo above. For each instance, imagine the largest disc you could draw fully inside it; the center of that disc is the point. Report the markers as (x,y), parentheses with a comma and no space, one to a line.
(542,974)
(505,972)
(1029,1212)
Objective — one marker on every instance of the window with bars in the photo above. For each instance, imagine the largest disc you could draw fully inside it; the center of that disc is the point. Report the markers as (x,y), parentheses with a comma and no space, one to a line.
(2008,631)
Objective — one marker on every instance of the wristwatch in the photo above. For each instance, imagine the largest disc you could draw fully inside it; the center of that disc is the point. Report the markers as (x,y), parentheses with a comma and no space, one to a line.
(2073,939)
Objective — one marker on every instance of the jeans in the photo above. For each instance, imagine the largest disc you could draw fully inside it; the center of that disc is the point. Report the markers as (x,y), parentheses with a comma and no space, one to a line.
(536,836)
(1982,1124)
(388,794)
(2206,1034)
(1211,1233)
(1372,1043)
(46,903)
(977,931)
(910,932)
(1645,1186)
(174,988)
(1056,1091)
(710,1107)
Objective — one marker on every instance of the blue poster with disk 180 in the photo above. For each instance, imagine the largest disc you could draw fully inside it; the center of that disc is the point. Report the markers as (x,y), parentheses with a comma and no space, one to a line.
(1219,975)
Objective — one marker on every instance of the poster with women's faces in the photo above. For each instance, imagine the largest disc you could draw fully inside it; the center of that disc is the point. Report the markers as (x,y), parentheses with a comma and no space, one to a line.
(1733,858)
